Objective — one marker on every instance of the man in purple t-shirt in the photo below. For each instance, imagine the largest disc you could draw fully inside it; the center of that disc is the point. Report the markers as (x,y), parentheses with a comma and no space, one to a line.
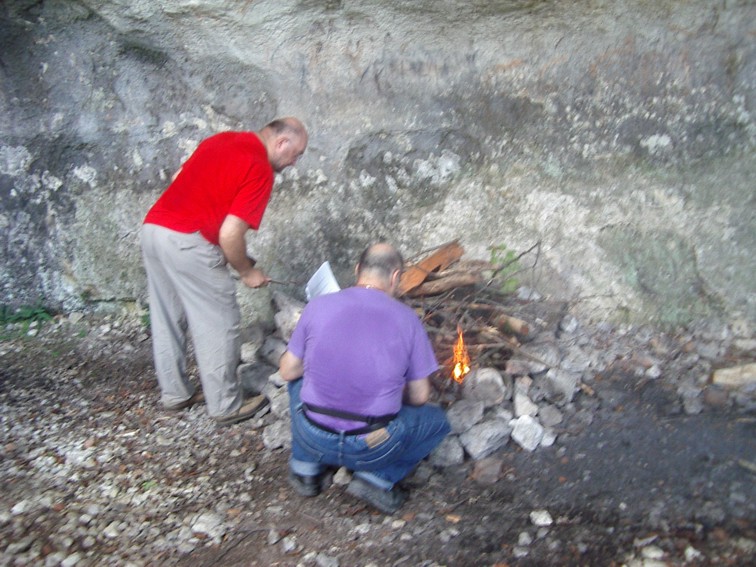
(364,360)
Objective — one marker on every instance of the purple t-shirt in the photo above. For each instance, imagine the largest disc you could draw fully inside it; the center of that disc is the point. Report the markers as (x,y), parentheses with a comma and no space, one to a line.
(360,347)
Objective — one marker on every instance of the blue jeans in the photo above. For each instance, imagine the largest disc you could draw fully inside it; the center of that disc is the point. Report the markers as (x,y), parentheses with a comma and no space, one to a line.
(412,435)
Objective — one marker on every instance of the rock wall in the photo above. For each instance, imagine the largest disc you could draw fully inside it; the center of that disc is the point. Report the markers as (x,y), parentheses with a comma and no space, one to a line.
(615,139)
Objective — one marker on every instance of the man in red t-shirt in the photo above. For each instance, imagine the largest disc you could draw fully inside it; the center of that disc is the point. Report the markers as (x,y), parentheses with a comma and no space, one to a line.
(189,235)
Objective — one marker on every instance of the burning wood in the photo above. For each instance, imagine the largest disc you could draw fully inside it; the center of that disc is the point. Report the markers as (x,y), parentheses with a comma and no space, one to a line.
(461,359)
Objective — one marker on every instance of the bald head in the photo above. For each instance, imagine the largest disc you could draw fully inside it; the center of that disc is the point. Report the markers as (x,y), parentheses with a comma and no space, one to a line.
(381,266)
(285,139)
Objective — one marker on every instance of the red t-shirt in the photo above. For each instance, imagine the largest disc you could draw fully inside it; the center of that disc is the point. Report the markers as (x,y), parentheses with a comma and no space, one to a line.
(229,173)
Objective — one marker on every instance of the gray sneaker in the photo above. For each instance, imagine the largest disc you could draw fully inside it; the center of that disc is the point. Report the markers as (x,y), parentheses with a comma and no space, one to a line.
(249,408)
(387,501)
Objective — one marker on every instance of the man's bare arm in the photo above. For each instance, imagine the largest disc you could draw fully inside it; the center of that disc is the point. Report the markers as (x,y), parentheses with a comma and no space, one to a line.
(290,367)
(234,246)
(417,392)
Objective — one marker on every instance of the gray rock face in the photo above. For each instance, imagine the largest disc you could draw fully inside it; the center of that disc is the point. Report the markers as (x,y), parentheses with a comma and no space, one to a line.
(620,138)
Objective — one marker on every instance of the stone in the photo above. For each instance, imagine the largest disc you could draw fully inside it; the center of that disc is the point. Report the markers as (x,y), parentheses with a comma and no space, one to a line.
(448,453)
(71,560)
(549,437)
(288,312)
(652,552)
(488,386)
(547,353)
(499,412)
(249,352)
(523,406)
(745,345)
(735,376)
(278,399)
(487,470)
(112,530)
(549,415)
(463,414)
(272,350)
(523,367)
(323,560)
(209,524)
(710,349)
(277,435)
(525,293)
(527,432)
(692,555)
(569,324)
(20,546)
(577,360)
(485,438)
(541,518)
(342,477)
(524,539)
(253,377)
(716,397)
(289,544)
(654,372)
(693,406)
(21,507)
(522,385)
(274,536)
(560,385)
(692,400)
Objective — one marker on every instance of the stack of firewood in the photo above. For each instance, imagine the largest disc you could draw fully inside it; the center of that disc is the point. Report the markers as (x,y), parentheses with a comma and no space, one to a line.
(452,295)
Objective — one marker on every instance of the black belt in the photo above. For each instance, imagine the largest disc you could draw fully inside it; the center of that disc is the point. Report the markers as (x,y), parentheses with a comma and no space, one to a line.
(372,422)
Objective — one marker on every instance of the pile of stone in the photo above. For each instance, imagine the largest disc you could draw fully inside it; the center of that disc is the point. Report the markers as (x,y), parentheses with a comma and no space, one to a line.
(546,389)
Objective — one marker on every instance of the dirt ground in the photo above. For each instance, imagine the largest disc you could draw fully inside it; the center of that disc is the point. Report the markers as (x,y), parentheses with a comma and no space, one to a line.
(641,484)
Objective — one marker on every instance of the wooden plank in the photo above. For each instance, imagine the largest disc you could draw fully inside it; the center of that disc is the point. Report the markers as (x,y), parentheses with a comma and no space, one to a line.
(442,258)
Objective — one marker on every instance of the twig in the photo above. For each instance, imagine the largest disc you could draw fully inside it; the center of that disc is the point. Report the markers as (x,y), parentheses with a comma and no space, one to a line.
(536,246)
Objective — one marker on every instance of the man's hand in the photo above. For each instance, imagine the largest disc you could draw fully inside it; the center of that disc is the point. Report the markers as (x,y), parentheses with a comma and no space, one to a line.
(255,278)
(231,239)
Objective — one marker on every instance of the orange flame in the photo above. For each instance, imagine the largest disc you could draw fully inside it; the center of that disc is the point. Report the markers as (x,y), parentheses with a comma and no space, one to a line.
(461,359)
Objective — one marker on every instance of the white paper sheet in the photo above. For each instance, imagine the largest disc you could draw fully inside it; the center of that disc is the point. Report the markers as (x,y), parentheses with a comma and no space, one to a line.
(321,282)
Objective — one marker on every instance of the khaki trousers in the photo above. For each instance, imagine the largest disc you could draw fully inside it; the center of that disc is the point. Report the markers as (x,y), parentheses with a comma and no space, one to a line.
(189,284)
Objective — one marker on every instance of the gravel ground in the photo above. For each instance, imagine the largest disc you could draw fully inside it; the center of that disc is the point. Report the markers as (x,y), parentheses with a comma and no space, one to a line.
(647,472)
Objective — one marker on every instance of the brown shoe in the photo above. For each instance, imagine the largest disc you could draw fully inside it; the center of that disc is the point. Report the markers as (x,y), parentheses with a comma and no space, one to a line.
(248,409)
(197,398)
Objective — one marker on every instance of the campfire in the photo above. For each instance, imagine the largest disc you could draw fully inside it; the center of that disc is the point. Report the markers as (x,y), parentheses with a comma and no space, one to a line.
(450,295)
